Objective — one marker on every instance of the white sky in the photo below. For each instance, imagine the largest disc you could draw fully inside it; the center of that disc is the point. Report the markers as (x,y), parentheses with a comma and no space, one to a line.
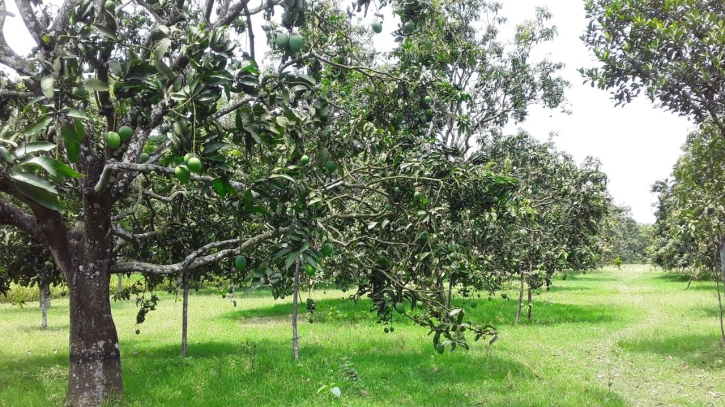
(637,144)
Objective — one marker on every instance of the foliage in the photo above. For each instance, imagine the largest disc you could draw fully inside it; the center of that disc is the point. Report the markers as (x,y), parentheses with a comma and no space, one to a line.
(627,240)
(670,50)
(145,138)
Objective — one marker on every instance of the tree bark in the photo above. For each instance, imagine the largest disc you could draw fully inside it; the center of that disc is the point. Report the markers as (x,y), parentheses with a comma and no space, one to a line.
(44,304)
(295,301)
(185,314)
(521,298)
(528,312)
(722,276)
(95,357)
(119,286)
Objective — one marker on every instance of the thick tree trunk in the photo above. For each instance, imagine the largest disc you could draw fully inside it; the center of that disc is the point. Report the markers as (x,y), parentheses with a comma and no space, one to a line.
(44,304)
(295,301)
(95,357)
(185,314)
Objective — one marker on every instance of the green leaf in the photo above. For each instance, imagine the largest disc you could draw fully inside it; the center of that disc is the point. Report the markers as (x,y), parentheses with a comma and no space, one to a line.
(79,129)
(72,141)
(289,260)
(78,114)
(37,189)
(74,151)
(160,48)
(32,102)
(54,167)
(106,32)
(212,146)
(33,147)
(46,85)
(164,69)
(6,155)
(36,128)
(96,84)
(285,176)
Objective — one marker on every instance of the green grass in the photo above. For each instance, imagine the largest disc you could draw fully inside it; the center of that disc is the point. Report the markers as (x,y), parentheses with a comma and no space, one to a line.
(633,337)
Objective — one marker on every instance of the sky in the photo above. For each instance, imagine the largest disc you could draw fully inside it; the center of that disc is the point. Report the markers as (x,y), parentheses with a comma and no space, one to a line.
(637,144)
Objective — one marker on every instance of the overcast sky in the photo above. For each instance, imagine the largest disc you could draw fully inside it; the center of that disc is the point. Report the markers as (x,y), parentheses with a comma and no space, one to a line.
(637,144)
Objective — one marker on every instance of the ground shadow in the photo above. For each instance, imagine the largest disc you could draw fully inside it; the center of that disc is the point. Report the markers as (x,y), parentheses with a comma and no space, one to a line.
(701,350)
(586,276)
(501,313)
(496,311)
(707,311)
(673,277)
(561,286)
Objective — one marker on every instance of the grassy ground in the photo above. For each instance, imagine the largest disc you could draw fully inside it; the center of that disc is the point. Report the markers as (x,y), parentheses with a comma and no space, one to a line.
(609,338)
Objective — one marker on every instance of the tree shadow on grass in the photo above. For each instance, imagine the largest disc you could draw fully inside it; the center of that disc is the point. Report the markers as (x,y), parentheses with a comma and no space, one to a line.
(370,372)
(560,286)
(498,312)
(710,311)
(501,312)
(672,277)
(697,350)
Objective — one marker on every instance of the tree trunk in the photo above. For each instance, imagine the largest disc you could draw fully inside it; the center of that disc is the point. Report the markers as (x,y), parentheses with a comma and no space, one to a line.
(185,314)
(44,304)
(295,301)
(521,298)
(95,357)
(450,291)
(528,312)
(722,275)
(119,287)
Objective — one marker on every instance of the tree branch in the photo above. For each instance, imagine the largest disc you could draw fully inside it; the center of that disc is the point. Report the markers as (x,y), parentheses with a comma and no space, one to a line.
(106,176)
(14,94)
(195,260)
(7,56)
(251,33)
(232,107)
(227,17)
(26,222)
(30,20)
(62,19)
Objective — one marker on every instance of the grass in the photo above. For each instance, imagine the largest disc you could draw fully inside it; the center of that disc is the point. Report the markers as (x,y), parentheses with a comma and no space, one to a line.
(608,338)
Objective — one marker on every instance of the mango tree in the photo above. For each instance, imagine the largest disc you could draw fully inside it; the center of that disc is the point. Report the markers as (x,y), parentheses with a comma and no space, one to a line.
(699,178)
(116,99)
(670,50)
(27,263)
(556,217)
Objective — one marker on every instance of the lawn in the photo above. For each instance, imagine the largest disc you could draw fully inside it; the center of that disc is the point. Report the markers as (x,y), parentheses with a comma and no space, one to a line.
(630,337)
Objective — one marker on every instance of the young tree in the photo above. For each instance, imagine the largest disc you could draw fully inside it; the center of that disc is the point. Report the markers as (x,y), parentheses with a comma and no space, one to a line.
(28,264)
